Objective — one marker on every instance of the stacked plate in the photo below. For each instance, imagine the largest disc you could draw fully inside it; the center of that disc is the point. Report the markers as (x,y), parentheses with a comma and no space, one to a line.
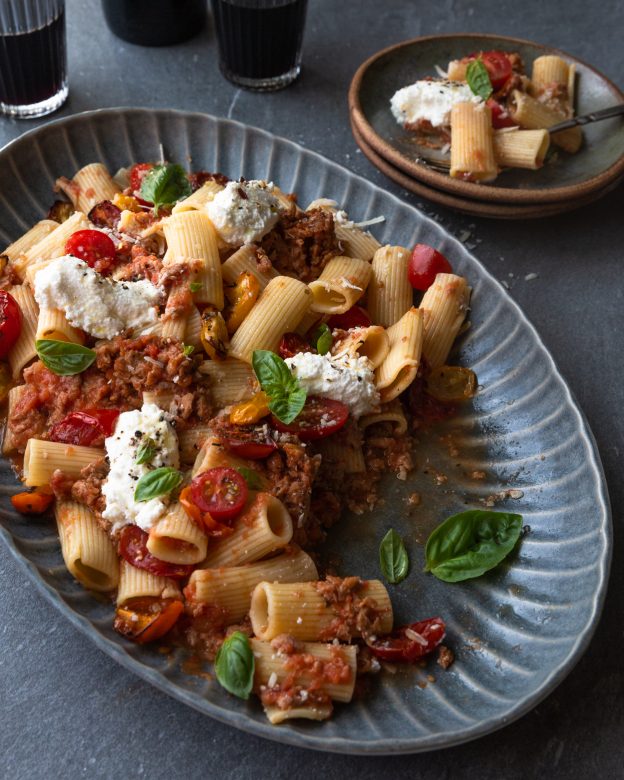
(565,182)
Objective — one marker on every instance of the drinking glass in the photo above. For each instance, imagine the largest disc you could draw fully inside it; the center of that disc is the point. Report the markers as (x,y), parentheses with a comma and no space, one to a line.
(260,41)
(33,60)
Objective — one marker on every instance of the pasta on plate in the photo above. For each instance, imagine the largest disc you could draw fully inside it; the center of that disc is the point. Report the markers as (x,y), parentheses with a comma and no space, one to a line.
(201,376)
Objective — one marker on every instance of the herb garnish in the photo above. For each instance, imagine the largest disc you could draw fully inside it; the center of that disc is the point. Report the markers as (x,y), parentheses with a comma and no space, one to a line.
(286,396)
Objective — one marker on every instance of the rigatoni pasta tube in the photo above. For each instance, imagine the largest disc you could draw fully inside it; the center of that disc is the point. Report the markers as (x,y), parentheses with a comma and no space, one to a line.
(533,115)
(300,610)
(356,242)
(548,70)
(25,242)
(444,307)
(389,294)
(456,70)
(213,454)
(52,324)
(53,245)
(472,147)
(341,284)
(264,527)
(90,185)
(245,260)
(199,198)
(371,342)
(175,538)
(521,148)
(23,351)
(400,367)
(192,330)
(42,458)
(231,381)
(9,443)
(87,551)
(279,309)
(137,583)
(392,413)
(343,451)
(230,588)
(191,441)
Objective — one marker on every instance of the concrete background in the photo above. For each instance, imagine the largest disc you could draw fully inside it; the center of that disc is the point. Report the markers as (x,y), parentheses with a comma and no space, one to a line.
(69,711)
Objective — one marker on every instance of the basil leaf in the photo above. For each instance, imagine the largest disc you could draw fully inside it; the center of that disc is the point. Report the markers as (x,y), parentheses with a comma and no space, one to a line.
(478,79)
(146,451)
(322,339)
(393,557)
(195,286)
(286,396)
(64,358)
(157,483)
(188,349)
(165,185)
(252,478)
(470,543)
(235,665)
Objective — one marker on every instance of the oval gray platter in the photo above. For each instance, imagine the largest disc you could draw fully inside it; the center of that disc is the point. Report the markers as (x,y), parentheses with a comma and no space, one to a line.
(517,631)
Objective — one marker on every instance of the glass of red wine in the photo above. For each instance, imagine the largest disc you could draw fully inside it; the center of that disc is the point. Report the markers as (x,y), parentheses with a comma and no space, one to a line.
(260,41)
(33,60)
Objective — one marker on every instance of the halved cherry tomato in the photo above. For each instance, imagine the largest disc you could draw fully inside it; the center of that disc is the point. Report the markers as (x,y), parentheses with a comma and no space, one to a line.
(137,173)
(409,643)
(144,620)
(253,450)
(451,384)
(320,417)
(83,428)
(34,503)
(500,115)
(222,492)
(498,67)
(133,548)
(251,411)
(203,520)
(10,322)
(355,317)
(424,265)
(94,247)
(291,344)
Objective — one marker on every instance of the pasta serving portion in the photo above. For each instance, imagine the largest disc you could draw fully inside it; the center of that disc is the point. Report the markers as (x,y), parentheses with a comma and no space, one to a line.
(201,376)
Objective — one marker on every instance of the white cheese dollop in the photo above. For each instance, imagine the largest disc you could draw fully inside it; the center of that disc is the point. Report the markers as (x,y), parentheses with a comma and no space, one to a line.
(430,99)
(99,305)
(131,430)
(350,380)
(244,212)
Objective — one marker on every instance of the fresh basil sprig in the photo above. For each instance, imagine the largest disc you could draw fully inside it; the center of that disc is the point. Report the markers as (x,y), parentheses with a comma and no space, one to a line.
(252,478)
(235,665)
(467,545)
(156,483)
(478,79)
(146,451)
(393,557)
(64,358)
(165,185)
(322,339)
(286,396)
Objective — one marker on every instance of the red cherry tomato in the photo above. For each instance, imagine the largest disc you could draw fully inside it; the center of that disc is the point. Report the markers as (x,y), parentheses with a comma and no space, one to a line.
(409,643)
(222,492)
(500,115)
(137,173)
(94,247)
(291,344)
(424,265)
(253,450)
(320,417)
(133,548)
(356,317)
(498,67)
(203,520)
(83,428)
(10,322)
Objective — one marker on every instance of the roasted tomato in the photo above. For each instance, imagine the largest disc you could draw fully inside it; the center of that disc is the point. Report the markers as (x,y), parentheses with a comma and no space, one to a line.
(451,384)
(500,115)
(356,317)
(320,417)
(498,67)
(291,344)
(424,265)
(242,297)
(94,247)
(252,450)
(137,173)
(203,520)
(214,335)
(409,643)
(60,211)
(83,428)
(222,492)
(34,503)
(133,548)
(251,411)
(105,214)
(146,619)
(10,322)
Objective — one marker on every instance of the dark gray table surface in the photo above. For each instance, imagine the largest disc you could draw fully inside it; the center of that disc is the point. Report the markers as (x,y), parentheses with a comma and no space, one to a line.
(67,710)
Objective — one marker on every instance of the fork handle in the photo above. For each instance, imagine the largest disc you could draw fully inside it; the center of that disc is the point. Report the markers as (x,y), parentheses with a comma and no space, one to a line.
(595,116)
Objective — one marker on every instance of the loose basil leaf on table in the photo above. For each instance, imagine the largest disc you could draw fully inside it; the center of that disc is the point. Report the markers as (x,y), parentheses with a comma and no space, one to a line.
(235,665)
(478,79)
(322,339)
(64,358)
(157,482)
(286,396)
(165,185)
(146,451)
(470,543)
(393,557)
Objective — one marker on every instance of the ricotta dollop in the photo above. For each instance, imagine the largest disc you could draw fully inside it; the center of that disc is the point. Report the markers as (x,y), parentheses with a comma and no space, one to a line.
(431,100)
(132,429)
(95,303)
(244,212)
(350,380)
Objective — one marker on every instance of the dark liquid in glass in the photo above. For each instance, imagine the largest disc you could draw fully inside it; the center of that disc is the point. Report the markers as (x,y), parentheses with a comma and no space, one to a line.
(155,22)
(259,43)
(32,64)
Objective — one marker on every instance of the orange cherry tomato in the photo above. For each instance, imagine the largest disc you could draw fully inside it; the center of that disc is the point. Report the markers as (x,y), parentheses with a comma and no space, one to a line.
(34,503)
(145,620)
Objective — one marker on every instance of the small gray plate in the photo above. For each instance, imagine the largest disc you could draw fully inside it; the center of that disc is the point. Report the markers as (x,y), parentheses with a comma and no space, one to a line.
(517,631)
